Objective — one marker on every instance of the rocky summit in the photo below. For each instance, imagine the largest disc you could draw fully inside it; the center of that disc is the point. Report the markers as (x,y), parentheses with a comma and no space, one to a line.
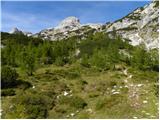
(17,31)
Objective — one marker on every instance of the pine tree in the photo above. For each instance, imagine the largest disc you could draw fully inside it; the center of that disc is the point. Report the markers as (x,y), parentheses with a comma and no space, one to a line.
(28,62)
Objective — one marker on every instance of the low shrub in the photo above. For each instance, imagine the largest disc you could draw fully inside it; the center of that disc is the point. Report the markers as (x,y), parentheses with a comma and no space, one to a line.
(74,101)
(35,105)
(7,92)
(8,77)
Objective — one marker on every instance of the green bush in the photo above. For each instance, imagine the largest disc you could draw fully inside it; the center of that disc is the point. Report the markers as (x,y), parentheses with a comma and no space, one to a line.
(7,92)
(74,101)
(8,77)
(35,105)
(59,61)
(85,61)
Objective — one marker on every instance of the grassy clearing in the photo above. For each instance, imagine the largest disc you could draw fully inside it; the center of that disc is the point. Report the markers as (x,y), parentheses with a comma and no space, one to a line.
(77,92)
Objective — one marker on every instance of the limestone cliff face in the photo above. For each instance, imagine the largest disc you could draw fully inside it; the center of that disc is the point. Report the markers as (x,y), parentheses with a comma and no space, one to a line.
(140,26)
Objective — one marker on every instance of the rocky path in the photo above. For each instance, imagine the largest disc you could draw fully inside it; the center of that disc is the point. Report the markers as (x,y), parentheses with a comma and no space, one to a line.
(133,90)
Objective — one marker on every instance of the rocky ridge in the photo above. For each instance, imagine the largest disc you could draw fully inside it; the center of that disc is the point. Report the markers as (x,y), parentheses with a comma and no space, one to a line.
(69,27)
(139,26)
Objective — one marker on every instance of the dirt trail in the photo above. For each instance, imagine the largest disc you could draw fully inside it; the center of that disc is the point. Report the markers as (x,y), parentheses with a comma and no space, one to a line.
(133,90)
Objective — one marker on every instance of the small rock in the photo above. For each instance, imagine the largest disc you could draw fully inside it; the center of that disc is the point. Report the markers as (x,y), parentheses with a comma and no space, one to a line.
(72,114)
(114,86)
(71,95)
(33,87)
(113,90)
(125,72)
(130,76)
(145,101)
(57,96)
(139,85)
(11,106)
(116,93)
(156,103)
(135,117)
(65,93)
(126,86)
(152,116)
(147,113)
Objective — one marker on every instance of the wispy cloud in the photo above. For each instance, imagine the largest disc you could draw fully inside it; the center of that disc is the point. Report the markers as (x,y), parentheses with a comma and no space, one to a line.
(26,21)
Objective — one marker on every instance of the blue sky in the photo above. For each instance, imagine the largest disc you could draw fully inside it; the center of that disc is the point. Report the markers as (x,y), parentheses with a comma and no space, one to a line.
(34,16)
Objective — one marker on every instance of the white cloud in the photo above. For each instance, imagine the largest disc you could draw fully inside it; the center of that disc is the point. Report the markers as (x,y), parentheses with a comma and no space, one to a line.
(26,22)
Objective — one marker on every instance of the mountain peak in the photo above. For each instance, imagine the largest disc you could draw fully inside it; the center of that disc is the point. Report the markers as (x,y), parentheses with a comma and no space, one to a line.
(15,31)
(69,22)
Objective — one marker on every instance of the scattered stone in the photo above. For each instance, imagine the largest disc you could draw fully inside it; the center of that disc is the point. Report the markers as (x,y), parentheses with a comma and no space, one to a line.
(126,86)
(72,114)
(11,106)
(33,87)
(131,85)
(147,113)
(152,116)
(1,112)
(120,87)
(116,93)
(113,90)
(135,117)
(70,95)
(65,93)
(145,101)
(130,76)
(114,86)
(139,85)
(70,91)
(57,96)
(125,72)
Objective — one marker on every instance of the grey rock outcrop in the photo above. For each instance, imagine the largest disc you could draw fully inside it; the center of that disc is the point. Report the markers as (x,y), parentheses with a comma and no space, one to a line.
(140,26)
(67,28)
